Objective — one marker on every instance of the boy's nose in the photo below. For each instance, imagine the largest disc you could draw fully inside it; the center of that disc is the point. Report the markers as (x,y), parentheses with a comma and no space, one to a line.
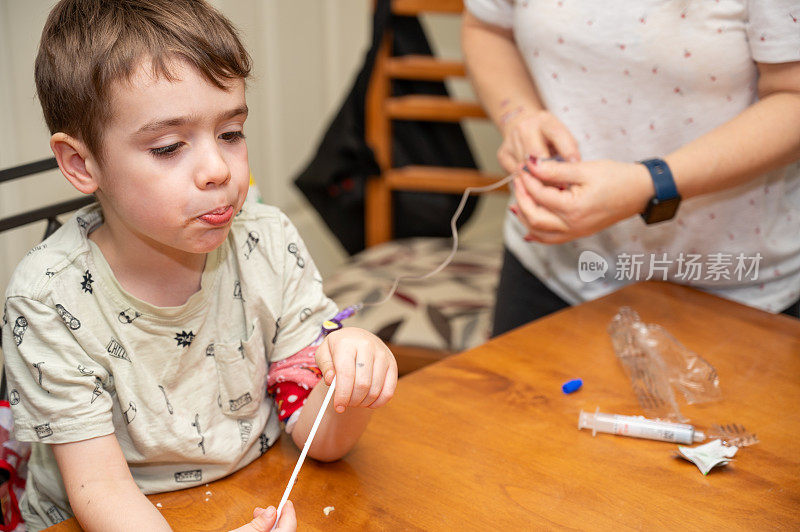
(213,170)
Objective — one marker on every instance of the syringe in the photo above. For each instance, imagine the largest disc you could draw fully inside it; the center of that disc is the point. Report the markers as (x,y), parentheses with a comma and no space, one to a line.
(639,427)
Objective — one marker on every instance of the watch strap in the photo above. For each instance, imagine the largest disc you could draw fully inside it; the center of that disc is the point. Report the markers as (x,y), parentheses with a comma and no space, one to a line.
(663,181)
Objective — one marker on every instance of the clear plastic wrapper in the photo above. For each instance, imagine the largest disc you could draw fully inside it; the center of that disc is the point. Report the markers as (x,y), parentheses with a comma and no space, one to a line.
(733,434)
(655,362)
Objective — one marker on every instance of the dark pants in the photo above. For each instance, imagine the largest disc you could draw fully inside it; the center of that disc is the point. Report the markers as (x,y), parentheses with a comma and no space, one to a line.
(522,297)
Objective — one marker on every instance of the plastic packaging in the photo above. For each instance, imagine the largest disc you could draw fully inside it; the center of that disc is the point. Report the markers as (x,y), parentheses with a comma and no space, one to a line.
(655,362)
(639,427)
(733,435)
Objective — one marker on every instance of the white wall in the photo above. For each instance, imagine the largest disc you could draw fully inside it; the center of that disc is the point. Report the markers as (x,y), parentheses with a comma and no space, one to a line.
(23,135)
(306,54)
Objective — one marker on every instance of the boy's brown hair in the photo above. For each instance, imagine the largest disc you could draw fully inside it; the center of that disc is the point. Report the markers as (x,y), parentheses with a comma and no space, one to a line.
(87,45)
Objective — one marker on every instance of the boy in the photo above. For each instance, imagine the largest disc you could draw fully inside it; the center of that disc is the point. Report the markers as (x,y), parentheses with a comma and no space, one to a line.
(140,338)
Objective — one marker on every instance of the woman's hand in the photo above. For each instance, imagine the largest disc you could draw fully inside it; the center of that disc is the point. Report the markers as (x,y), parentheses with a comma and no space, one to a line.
(562,201)
(533,133)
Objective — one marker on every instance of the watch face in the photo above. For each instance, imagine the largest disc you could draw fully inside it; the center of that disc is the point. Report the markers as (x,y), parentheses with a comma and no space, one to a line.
(661,211)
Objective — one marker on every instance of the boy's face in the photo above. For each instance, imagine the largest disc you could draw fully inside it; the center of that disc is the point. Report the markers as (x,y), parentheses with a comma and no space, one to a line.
(175,169)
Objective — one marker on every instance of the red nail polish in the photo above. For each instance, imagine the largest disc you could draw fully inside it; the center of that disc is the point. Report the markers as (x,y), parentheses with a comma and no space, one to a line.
(514,210)
(534,160)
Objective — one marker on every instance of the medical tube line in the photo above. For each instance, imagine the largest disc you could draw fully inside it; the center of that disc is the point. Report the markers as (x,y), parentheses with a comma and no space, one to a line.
(392,290)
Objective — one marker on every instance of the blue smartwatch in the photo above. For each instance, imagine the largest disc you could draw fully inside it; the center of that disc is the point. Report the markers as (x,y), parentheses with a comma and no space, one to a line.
(664,204)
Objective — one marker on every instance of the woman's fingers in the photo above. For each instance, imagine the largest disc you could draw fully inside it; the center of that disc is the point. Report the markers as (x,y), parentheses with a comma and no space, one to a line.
(547,237)
(525,137)
(556,200)
(507,160)
(532,215)
(532,142)
(562,140)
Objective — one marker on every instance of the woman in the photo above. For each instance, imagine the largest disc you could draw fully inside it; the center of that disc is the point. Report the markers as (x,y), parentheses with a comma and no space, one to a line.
(706,93)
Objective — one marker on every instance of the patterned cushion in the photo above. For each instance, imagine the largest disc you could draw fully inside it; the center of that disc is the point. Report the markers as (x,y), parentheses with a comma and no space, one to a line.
(449,311)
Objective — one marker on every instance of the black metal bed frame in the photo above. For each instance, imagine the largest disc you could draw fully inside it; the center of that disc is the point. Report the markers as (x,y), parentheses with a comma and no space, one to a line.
(49,212)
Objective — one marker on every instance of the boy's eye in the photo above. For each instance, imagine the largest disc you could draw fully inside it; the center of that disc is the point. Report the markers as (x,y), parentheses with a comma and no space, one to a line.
(232,136)
(165,151)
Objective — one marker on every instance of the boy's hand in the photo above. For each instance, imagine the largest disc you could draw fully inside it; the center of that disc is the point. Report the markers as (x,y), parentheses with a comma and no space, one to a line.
(365,369)
(264,519)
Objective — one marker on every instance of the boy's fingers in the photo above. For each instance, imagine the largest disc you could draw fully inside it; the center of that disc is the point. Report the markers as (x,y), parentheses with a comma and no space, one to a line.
(263,519)
(288,522)
(362,382)
(389,385)
(345,360)
(379,368)
(325,361)
(387,393)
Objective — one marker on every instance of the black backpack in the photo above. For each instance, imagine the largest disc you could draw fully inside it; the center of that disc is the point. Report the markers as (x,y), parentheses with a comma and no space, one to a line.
(334,179)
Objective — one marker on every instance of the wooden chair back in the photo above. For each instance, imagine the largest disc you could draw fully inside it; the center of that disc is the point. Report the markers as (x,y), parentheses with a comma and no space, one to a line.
(382,109)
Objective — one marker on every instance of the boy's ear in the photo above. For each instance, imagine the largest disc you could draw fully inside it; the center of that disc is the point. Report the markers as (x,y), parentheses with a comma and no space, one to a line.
(71,155)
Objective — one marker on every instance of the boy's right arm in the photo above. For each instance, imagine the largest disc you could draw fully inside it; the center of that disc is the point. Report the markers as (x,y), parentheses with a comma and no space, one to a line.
(101,490)
(104,496)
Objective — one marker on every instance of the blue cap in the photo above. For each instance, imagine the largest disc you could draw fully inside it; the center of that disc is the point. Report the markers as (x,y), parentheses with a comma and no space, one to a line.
(571,386)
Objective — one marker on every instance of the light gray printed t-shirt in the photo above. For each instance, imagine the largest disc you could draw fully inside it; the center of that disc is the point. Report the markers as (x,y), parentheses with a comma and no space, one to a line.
(182,388)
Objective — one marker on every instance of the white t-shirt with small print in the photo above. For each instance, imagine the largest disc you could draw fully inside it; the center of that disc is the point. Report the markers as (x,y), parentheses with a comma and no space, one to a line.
(182,388)
(637,80)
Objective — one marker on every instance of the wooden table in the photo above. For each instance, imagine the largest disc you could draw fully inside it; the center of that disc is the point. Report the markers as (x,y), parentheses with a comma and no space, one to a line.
(486,440)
